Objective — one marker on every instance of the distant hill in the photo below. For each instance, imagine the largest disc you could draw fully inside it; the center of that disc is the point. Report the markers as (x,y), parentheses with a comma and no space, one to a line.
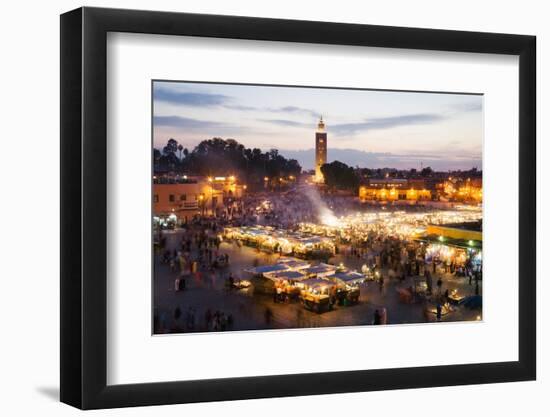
(363,159)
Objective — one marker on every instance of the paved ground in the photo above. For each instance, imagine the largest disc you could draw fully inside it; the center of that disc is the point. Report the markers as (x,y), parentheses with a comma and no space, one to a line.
(248,309)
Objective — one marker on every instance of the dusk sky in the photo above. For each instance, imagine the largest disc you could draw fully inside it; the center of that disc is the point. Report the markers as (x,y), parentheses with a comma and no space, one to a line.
(373,129)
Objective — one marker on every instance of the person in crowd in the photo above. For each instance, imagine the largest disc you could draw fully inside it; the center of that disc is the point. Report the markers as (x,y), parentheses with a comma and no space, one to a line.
(268,316)
(377,317)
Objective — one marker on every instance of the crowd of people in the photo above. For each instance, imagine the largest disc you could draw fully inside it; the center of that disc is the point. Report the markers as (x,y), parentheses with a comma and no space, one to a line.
(197,250)
(196,257)
(191,321)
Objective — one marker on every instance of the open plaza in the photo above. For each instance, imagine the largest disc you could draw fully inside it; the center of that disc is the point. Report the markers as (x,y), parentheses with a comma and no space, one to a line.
(253,266)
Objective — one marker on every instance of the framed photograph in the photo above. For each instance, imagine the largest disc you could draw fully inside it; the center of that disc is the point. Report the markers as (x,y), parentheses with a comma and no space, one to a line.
(260,208)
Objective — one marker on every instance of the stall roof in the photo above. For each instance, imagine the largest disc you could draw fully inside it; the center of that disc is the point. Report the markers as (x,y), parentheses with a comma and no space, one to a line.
(320,269)
(267,269)
(287,275)
(348,277)
(296,264)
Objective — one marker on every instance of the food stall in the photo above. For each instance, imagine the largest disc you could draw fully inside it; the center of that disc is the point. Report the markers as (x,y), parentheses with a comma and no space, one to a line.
(286,284)
(348,286)
(316,294)
(313,246)
(282,241)
(259,278)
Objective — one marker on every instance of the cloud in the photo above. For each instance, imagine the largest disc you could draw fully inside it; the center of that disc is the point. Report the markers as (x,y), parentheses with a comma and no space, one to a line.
(285,109)
(239,107)
(470,106)
(212,100)
(189,99)
(370,124)
(295,110)
(287,123)
(184,122)
(385,123)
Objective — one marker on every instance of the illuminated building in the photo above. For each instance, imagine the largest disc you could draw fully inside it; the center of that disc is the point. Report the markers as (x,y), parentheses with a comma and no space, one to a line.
(394,189)
(469,190)
(320,150)
(184,197)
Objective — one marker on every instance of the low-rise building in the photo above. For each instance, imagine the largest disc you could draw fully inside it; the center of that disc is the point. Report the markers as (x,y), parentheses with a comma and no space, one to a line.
(459,189)
(181,198)
(394,189)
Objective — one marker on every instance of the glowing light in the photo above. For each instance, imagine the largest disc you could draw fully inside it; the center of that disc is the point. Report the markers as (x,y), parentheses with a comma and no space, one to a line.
(329,219)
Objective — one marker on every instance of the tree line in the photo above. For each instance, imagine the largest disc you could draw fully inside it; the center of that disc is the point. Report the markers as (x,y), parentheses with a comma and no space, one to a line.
(221,157)
(340,176)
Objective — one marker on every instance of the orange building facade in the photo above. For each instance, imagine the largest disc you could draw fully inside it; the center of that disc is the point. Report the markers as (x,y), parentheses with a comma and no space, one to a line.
(392,189)
(181,200)
(367,193)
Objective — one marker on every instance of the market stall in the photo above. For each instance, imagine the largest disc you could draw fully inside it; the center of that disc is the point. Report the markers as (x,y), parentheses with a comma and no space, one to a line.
(317,294)
(281,241)
(348,290)
(286,284)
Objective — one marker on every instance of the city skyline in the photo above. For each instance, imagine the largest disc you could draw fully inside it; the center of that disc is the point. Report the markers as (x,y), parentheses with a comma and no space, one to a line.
(368,128)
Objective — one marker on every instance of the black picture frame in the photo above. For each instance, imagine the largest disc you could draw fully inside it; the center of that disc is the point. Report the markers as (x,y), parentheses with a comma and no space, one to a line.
(84,207)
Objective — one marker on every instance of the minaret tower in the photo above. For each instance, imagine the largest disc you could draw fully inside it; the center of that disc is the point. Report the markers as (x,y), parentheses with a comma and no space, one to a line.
(320,150)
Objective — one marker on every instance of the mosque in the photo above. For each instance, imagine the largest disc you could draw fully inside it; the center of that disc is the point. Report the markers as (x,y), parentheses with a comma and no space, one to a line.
(320,150)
